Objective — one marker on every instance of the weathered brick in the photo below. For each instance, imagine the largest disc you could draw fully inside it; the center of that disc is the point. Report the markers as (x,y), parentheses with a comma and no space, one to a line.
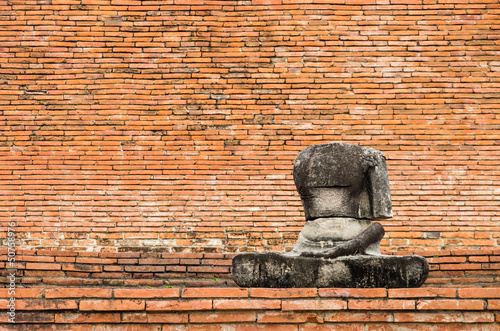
(27,304)
(272,317)
(167,318)
(214,293)
(479,317)
(422,293)
(389,304)
(494,304)
(82,267)
(145,268)
(134,317)
(324,304)
(221,317)
(146,293)
(171,305)
(283,293)
(116,305)
(359,317)
(29,317)
(23,293)
(407,326)
(246,304)
(43,266)
(353,292)
(127,327)
(450,304)
(490,292)
(325,327)
(87,318)
(71,292)
(432,317)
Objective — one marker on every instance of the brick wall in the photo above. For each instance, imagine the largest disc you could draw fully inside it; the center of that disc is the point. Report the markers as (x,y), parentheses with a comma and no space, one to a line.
(173,125)
(250,309)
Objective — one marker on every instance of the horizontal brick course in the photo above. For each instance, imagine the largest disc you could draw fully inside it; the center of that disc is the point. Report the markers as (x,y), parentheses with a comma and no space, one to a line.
(306,309)
(146,269)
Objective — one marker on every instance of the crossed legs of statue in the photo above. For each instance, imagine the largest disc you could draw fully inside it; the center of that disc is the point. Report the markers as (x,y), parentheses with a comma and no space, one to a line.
(339,236)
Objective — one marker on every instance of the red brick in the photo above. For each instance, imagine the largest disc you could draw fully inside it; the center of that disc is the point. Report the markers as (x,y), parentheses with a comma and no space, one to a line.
(272,317)
(134,317)
(35,258)
(22,293)
(43,266)
(390,304)
(471,266)
(167,318)
(267,2)
(450,304)
(353,292)
(68,281)
(92,260)
(77,293)
(479,317)
(490,292)
(405,327)
(106,305)
(338,326)
(144,268)
(360,2)
(251,326)
(27,304)
(324,304)
(214,293)
(127,327)
(246,304)
(433,317)
(82,267)
(68,317)
(283,293)
(154,261)
(146,293)
(221,317)
(351,316)
(170,305)
(428,292)
(28,317)
(494,304)
(189,2)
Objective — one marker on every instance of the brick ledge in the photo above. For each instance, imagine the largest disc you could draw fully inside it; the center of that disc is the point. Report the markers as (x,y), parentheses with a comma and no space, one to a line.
(134,269)
(241,308)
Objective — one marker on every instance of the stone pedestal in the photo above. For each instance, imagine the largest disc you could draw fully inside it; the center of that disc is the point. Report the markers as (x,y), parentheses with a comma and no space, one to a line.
(278,270)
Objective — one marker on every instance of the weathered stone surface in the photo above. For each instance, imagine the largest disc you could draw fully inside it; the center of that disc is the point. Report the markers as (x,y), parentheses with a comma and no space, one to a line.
(342,180)
(372,235)
(277,270)
(342,188)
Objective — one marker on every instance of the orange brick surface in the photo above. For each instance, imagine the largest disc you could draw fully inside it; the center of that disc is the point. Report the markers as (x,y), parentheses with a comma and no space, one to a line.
(173,125)
(305,310)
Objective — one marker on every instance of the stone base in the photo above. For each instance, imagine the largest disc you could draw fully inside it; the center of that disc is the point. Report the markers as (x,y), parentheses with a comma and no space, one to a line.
(277,270)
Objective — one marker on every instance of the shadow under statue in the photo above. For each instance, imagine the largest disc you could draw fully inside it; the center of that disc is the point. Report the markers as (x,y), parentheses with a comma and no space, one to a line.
(343,188)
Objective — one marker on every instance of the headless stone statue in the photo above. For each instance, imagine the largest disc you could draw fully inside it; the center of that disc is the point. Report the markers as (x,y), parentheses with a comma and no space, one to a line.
(343,188)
